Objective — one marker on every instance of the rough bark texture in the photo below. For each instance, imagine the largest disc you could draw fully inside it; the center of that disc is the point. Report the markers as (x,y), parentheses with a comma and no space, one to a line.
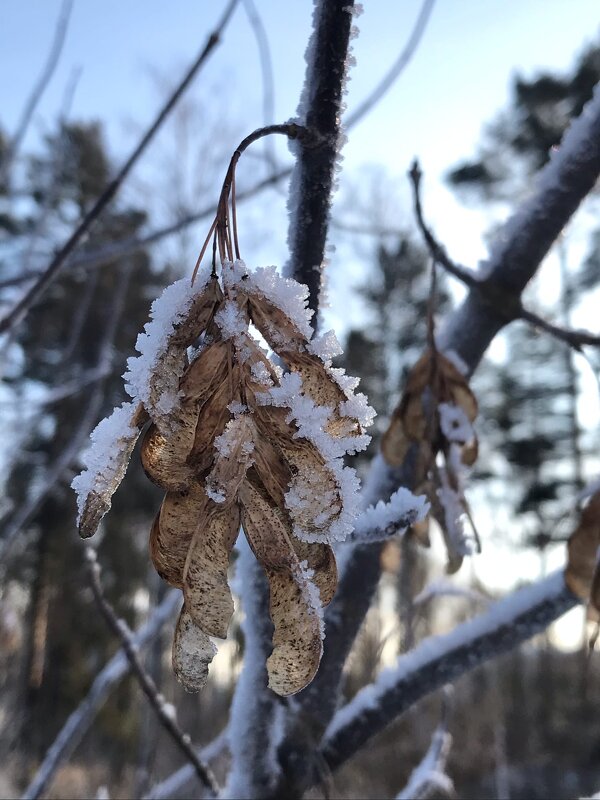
(320,112)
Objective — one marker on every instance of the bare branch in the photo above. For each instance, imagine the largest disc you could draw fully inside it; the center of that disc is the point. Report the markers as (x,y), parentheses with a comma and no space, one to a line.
(504,303)
(16,314)
(397,67)
(319,111)
(186,774)
(266,66)
(82,717)
(166,719)
(442,659)
(58,41)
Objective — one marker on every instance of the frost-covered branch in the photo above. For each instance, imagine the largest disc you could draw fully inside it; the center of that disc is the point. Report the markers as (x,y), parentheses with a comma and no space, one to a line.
(165,714)
(82,717)
(429,776)
(521,245)
(508,305)
(385,521)
(185,775)
(319,110)
(441,659)
(20,309)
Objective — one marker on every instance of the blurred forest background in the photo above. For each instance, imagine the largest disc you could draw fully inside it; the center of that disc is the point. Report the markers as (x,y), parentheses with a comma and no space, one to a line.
(523,727)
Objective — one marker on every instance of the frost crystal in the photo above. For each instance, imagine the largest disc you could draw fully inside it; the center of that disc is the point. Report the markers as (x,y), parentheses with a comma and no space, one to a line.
(153,377)
(105,461)
(455,424)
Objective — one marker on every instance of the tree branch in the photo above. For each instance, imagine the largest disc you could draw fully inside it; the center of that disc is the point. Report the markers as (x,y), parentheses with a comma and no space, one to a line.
(440,660)
(319,111)
(82,717)
(503,303)
(16,314)
(166,719)
(58,41)
(398,67)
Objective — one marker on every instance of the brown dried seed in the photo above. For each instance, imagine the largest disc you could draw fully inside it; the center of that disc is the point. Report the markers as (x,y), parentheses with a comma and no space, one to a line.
(395,443)
(273,471)
(297,644)
(181,515)
(206,590)
(98,501)
(580,574)
(267,529)
(311,476)
(232,458)
(199,315)
(212,419)
(206,373)
(321,559)
(164,457)
(274,325)
(192,653)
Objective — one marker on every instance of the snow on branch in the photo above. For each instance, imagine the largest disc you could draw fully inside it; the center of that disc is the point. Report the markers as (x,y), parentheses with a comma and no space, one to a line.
(521,245)
(320,109)
(384,521)
(441,659)
(429,776)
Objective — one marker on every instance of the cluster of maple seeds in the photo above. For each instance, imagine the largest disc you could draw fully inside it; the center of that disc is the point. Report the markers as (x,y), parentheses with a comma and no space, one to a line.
(435,416)
(236,441)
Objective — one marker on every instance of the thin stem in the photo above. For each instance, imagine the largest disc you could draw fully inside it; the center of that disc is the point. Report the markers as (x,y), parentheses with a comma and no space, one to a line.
(225,220)
(147,685)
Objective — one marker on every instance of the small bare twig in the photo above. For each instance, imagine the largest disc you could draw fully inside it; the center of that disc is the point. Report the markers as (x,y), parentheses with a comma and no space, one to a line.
(266,66)
(56,48)
(20,309)
(397,67)
(503,302)
(125,636)
(82,717)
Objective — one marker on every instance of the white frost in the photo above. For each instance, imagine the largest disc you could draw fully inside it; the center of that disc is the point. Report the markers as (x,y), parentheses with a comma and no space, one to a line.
(455,424)
(159,390)
(286,294)
(106,460)
(434,648)
(402,509)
